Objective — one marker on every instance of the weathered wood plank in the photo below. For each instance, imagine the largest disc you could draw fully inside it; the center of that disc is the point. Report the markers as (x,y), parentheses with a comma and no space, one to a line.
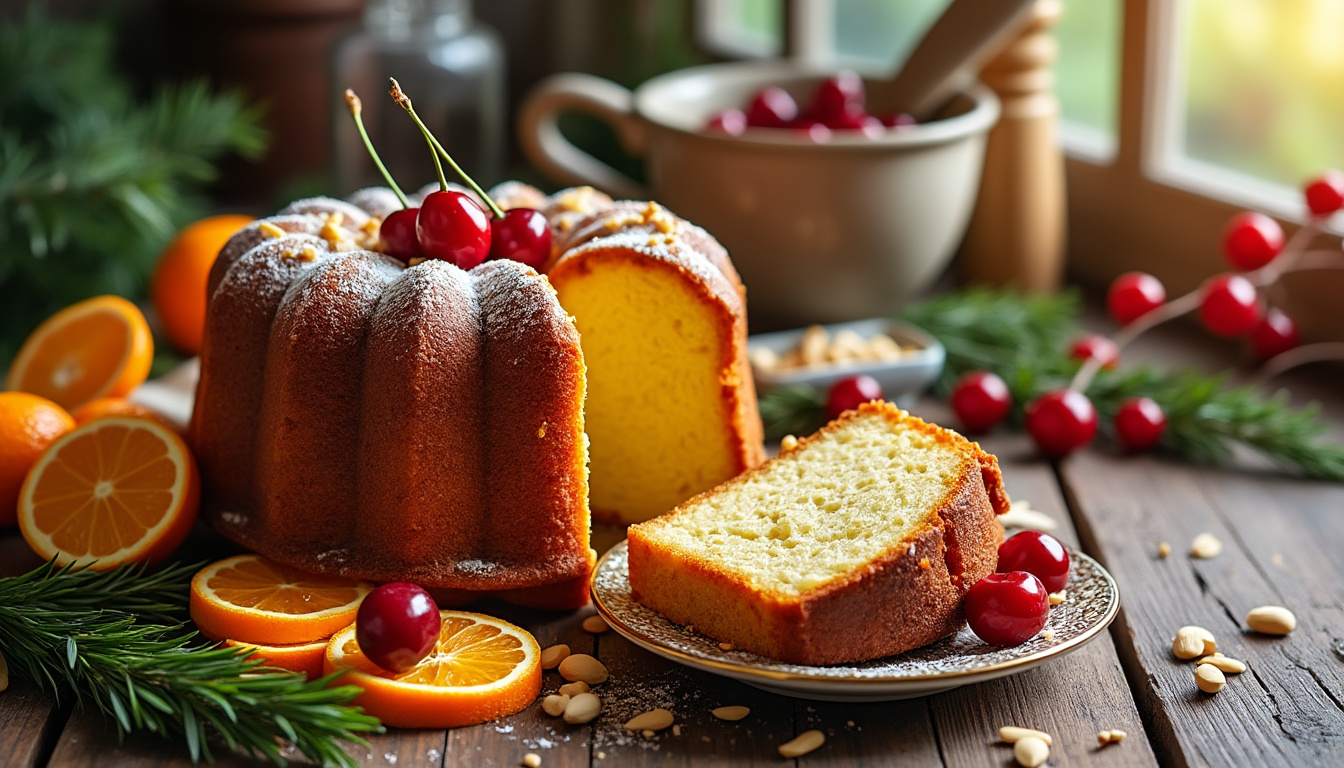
(1287,709)
(893,733)
(30,722)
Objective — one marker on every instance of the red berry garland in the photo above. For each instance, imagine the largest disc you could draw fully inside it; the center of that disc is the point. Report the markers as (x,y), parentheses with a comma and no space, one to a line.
(980,400)
(1140,423)
(1252,240)
(1134,295)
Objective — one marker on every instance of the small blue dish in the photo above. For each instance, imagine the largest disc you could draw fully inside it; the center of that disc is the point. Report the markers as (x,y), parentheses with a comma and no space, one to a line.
(902,380)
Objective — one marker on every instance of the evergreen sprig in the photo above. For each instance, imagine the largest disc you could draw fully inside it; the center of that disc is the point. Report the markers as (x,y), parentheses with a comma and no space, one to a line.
(93,182)
(1024,339)
(114,640)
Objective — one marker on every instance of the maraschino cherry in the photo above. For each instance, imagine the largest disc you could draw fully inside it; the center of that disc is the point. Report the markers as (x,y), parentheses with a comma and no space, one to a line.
(1061,422)
(451,227)
(397,625)
(851,392)
(397,232)
(1039,554)
(980,400)
(1007,608)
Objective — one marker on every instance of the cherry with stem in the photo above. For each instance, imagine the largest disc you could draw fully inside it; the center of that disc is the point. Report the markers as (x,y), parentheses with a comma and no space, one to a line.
(356,108)
(397,230)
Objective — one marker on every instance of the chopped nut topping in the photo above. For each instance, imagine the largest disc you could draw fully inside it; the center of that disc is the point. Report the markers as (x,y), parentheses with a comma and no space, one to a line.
(270,231)
(788,443)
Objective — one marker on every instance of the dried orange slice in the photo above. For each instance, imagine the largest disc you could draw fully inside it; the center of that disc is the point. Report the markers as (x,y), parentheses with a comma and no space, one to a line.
(100,347)
(481,669)
(254,600)
(305,657)
(116,490)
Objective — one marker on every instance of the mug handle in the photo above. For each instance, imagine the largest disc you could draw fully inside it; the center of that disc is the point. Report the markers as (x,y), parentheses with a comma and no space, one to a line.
(548,149)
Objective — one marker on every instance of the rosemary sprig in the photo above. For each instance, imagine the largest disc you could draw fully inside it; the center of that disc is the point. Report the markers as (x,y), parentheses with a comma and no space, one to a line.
(1024,339)
(112,640)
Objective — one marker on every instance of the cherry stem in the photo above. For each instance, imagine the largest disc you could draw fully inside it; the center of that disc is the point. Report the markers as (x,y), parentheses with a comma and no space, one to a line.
(356,108)
(1307,353)
(1291,259)
(405,102)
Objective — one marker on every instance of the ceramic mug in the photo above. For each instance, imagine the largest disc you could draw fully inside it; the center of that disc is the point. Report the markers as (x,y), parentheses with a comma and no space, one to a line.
(820,232)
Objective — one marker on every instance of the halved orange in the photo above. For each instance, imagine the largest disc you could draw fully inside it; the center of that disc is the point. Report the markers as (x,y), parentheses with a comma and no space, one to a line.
(481,669)
(116,490)
(305,657)
(100,347)
(254,600)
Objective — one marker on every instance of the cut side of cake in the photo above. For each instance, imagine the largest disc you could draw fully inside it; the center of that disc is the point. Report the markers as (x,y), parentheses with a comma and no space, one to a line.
(857,543)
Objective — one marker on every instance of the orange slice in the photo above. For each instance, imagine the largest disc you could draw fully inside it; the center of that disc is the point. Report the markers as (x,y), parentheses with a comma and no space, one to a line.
(254,600)
(481,669)
(305,657)
(116,490)
(100,347)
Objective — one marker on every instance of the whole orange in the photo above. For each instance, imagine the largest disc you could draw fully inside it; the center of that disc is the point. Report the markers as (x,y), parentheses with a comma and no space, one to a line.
(117,406)
(28,424)
(178,289)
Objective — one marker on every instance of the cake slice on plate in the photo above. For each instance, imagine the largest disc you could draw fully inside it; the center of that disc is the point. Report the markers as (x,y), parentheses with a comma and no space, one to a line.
(858,542)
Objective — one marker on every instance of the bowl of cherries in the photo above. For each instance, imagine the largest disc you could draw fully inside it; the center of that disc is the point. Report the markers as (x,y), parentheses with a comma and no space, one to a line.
(833,208)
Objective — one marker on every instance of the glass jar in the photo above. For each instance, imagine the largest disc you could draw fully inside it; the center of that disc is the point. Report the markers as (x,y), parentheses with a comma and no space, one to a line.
(453,70)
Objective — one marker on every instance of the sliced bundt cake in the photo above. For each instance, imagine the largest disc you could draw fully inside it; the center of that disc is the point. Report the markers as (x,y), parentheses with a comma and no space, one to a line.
(662,319)
(858,542)
(383,422)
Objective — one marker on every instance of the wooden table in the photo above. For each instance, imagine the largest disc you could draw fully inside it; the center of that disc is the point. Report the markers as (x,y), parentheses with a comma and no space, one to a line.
(1284,544)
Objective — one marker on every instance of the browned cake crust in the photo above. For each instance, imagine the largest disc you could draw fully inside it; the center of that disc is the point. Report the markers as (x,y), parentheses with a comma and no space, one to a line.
(908,598)
(361,418)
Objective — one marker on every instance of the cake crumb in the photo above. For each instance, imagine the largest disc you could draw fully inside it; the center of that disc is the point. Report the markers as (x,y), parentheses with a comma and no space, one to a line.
(601,755)
(1276,559)
(849,723)
(676,729)
(788,443)
(270,231)
(1048,635)
(1163,549)
(924,564)
(725,646)
(1058,597)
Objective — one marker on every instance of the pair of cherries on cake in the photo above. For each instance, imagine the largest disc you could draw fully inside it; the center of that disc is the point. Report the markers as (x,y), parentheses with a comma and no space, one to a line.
(450,225)
(837,105)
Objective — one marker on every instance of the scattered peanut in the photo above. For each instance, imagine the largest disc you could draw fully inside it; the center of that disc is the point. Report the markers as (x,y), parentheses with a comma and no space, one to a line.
(1058,597)
(653,720)
(582,709)
(1021,515)
(803,743)
(1110,737)
(1163,549)
(551,657)
(595,624)
(574,688)
(1011,734)
(731,713)
(1031,751)
(581,666)
(788,443)
(1209,678)
(532,760)
(1205,546)
(1271,620)
(1224,663)
(1192,642)
(554,705)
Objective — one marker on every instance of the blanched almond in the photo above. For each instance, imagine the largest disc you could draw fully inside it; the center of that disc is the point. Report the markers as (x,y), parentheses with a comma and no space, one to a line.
(582,709)
(653,720)
(574,688)
(595,624)
(1224,663)
(803,743)
(1271,620)
(1205,546)
(551,657)
(1031,751)
(731,713)
(554,705)
(581,666)
(1011,734)
(1209,678)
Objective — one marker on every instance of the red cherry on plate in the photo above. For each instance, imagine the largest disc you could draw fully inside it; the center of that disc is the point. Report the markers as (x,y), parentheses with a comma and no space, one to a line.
(851,392)
(1252,240)
(772,107)
(522,235)
(846,121)
(454,228)
(1325,193)
(730,121)
(980,400)
(1007,608)
(814,132)
(1061,422)
(1039,554)
(1229,306)
(1275,334)
(397,233)
(1133,295)
(837,95)
(899,120)
(1139,423)
(1091,345)
(397,625)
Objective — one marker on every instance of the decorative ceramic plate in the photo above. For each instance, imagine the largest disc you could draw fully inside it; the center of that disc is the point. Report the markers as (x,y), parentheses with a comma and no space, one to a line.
(957,660)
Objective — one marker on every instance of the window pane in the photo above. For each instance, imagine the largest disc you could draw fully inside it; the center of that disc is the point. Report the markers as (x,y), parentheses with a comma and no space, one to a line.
(1087,72)
(1264,86)
(882,31)
(750,28)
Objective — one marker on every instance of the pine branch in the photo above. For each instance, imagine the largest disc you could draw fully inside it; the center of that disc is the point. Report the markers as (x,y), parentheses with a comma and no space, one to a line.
(76,631)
